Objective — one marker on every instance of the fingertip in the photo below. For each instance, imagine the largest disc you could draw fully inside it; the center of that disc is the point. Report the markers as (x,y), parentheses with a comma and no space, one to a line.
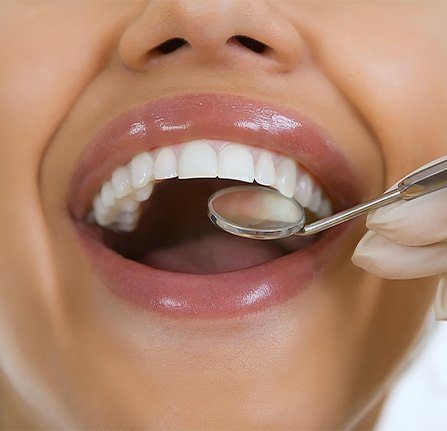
(381,218)
(368,252)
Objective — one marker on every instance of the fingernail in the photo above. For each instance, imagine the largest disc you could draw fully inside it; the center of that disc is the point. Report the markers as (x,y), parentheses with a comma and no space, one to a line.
(365,250)
(381,257)
(383,217)
(441,299)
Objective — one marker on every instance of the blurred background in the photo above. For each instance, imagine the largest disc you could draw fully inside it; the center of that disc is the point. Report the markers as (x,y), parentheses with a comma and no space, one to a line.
(419,400)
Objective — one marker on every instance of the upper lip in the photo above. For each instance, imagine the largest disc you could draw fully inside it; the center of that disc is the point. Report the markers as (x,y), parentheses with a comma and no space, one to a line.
(213,116)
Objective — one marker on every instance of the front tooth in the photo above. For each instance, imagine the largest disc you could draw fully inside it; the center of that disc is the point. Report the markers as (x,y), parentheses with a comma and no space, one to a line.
(197,160)
(121,182)
(141,170)
(144,193)
(286,178)
(235,162)
(315,199)
(265,173)
(165,164)
(304,189)
(107,194)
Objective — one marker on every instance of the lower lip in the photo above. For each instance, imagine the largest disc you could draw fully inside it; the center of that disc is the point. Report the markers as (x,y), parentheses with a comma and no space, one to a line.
(211,296)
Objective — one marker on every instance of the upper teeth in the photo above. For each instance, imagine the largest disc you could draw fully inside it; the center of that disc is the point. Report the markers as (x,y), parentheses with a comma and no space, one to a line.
(117,205)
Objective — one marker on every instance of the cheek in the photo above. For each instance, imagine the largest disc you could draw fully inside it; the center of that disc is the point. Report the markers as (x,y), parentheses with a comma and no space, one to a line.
(48,57)
(49,61)
(404,83)
(49,52)
(391,63)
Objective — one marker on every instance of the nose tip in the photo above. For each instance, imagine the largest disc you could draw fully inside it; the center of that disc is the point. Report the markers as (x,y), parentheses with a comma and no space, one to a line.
(211,31)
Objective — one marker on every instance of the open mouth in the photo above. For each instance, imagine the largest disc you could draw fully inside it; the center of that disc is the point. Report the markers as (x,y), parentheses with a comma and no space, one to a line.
(166,220)
(139,201)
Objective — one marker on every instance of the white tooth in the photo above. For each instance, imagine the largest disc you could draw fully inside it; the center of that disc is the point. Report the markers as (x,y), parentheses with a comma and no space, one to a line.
(165,164)
(197,160)
(103,219)
(141,170)
(304,189)
(128,205)
(315,199)
(107,194)
(235,162)
(99,206)
(144,193)
(121,182)
(103,215)
(325,208)
(286,177)
(265,173)
(128,217)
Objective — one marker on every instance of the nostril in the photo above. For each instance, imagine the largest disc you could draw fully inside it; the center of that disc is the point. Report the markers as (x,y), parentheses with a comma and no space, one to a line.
(173,44)
(170,45)
(250,43)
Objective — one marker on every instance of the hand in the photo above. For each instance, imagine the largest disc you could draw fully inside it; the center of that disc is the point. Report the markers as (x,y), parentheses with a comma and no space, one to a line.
(408,239)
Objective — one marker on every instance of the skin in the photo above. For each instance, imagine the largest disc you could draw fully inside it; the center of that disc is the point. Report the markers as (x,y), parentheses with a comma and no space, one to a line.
(73,356)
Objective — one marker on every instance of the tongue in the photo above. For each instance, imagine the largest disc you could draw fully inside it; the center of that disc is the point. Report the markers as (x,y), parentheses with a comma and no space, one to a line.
(211,254)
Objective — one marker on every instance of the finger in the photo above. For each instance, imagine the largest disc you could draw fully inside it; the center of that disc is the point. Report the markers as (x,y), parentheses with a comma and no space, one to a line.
(421,221)
(386,259)
(441,299)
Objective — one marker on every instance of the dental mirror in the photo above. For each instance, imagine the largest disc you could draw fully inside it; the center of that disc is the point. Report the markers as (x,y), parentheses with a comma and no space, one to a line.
(255,212)
(263,213)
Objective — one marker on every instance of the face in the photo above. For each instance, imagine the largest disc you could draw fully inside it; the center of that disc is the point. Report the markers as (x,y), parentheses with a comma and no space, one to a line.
(176,325)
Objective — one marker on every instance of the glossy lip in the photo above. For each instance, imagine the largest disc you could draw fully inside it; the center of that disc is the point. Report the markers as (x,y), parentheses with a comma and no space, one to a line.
(213,116)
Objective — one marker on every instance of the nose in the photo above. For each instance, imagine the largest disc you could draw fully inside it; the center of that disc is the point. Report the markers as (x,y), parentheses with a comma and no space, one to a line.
(211,31)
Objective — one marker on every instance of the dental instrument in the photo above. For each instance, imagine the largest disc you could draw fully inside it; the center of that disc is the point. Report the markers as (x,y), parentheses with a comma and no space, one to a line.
(259,212)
